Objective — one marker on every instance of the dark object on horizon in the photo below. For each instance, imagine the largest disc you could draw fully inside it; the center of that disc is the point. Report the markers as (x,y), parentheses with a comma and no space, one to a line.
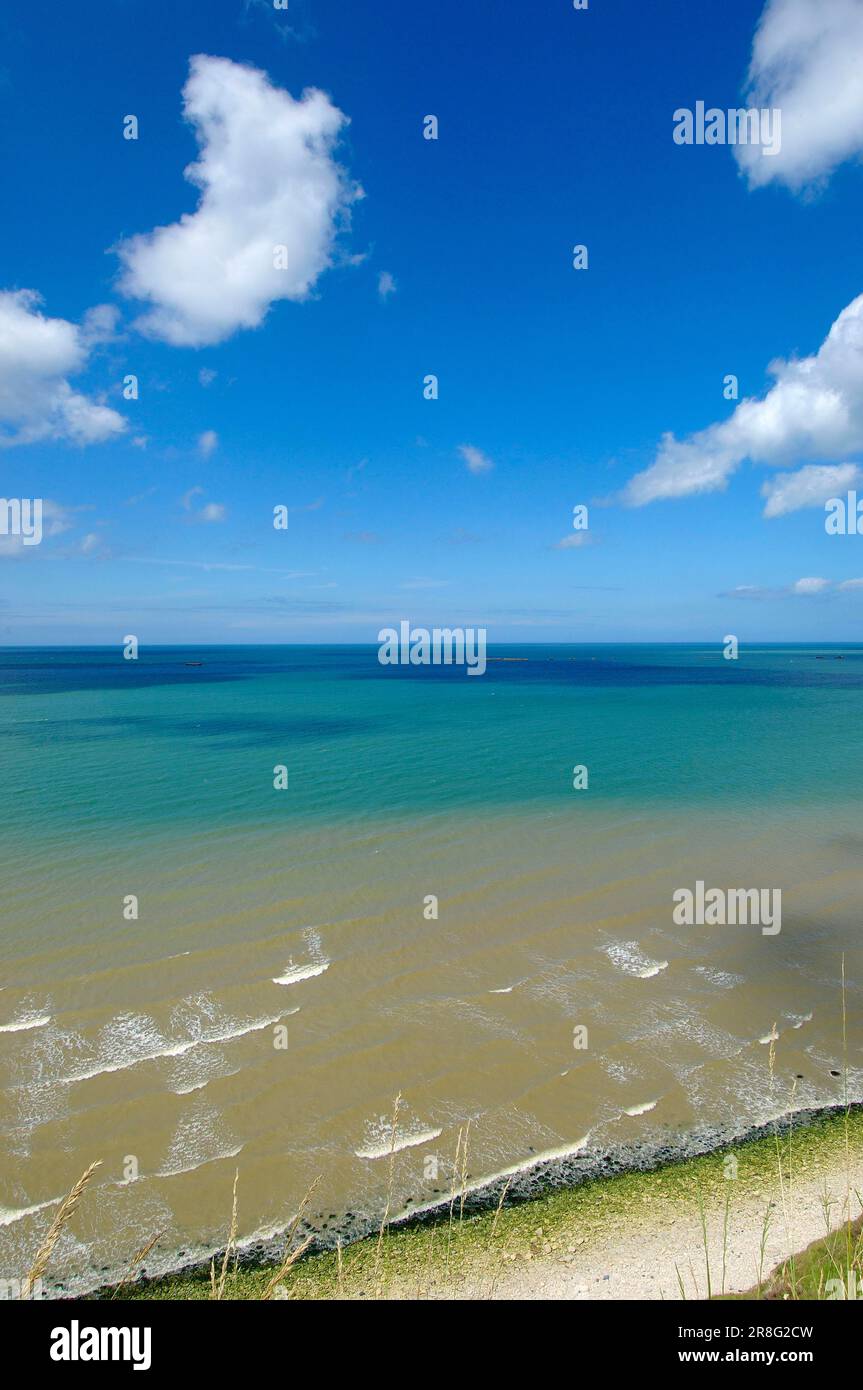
(193,663)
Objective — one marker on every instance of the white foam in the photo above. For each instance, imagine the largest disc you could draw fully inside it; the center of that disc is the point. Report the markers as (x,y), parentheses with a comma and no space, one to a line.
(294,973)
(724,979)
(640,1109)
(8,1215)
(31,1021)
(628,957)
(177,1049)
(514,1170)
(193,1167)
(404,1141)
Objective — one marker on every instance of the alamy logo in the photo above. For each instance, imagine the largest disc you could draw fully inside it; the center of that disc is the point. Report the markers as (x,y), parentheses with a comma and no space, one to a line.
(20,1288)
(442,646)
(21,516)
(719,907)
(844,516)
(77,1343)
(739,126)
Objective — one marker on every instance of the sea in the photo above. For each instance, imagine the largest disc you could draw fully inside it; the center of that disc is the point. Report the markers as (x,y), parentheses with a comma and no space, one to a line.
(286,912)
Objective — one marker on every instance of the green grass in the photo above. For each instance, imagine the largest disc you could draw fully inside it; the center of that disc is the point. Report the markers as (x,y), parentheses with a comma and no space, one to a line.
(813,1274)
(440,1257)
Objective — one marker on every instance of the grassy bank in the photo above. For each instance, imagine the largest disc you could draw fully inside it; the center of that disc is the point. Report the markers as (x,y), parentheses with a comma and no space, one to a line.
(460,1255)
(816,1271)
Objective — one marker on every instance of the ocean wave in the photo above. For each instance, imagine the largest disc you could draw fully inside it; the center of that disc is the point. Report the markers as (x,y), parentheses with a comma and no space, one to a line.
(294,973)
(629,957)
(633,1110)
(22,1024)
(524,1165)
(8,1215)
(385,1146)
(200,1163)
(163,1048)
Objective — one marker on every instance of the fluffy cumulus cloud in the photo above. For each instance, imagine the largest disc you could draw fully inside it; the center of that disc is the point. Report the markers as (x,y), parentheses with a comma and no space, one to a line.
(806,60)
(272,199)
(814,411)
(811,486)
(37,357)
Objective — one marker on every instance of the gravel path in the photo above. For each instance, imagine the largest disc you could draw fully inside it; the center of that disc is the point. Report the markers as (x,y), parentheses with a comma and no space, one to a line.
(639,1261)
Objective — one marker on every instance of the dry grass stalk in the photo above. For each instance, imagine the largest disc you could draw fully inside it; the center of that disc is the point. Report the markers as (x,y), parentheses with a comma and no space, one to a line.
(464,1173)
(64,1213)
(498,1270)
(291,1256)
(217,1288)
(137,1261)
(290,1259)
(456,1170)
(500,1206)
(390,1181)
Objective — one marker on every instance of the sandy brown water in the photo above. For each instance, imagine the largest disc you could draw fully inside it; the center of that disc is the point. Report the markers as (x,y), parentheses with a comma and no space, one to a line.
(156,1045)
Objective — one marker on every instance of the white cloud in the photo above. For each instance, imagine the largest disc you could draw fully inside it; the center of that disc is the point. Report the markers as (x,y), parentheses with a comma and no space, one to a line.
(806,60)
(207,376)
(99,324)
(808,487)
(268,180)
(573,541)
(810,586)
(814,410)
(801,588)
(188,497)
(476,460)
(210,512)
(386,284)
(207,442)
(37,356)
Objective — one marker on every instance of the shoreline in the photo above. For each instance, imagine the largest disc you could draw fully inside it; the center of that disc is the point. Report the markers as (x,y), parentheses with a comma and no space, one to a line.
(551,1195)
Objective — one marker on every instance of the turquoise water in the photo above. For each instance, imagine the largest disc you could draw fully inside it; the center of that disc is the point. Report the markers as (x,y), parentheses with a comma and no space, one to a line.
(88,739)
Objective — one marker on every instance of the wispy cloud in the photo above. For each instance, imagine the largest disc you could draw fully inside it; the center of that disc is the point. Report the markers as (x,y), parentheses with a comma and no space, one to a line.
(476,460)
(574,541)
(811,486)
(801,588)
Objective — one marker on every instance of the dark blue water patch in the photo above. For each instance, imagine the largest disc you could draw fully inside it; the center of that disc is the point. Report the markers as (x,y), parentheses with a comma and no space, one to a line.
(61,670)
(54,671)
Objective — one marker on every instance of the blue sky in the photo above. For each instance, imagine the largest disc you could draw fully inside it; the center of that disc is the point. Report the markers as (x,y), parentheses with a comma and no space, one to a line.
(555,129)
